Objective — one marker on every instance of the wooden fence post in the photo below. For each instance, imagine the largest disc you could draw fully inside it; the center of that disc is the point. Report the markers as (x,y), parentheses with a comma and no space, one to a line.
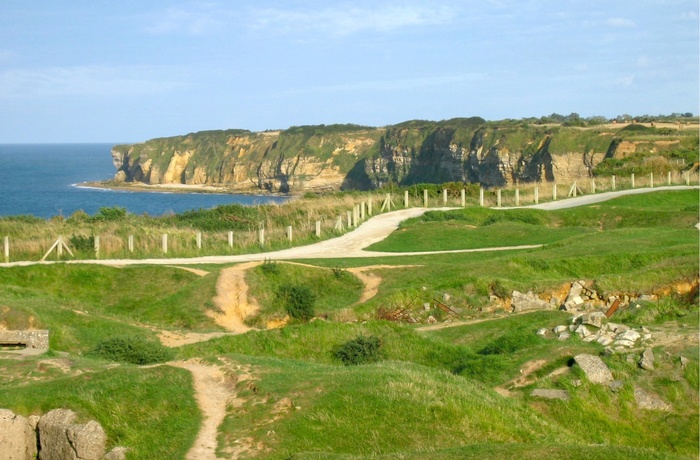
(261,236)
(651,180)
(537,195)
(463,197)
(6,247)
(349,219)
(592,186)
(444,197)
(97,247)
(230,239)
(318,228)
(481,197)
(130,243)
(669,178)
(165,243)
(498,198)
(425,198)
(369,206)
(687,178)
(289,233)
(632,180)
(363,213)
(613,182)
(199,240)
(554,192)
(517,197)
(405,198)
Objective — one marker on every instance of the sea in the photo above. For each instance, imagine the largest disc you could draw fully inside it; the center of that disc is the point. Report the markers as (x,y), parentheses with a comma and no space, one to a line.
(44,180)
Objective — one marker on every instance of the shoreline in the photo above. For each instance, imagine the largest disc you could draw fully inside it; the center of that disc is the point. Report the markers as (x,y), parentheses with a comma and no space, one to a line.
(174,188)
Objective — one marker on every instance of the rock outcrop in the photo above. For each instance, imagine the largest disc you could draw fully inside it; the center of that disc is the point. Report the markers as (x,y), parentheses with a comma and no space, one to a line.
(493,154)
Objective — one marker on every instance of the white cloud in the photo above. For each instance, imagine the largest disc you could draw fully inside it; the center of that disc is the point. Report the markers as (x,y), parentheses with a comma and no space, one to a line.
(193,21)
(620,22)
(85,81)
(691,15)
(345,20)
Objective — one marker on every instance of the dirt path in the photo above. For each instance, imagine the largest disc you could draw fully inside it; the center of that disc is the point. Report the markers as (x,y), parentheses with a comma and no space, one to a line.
(372,281)
(212,394)
(232,298)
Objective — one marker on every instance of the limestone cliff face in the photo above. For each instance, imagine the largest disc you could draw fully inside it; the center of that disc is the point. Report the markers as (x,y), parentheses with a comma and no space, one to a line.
(355,157)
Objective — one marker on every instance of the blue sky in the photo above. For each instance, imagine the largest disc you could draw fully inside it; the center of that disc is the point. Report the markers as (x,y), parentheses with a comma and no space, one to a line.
(104,71)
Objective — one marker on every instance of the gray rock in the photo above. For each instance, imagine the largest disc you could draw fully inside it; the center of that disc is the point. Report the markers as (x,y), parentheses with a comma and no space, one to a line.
(596,319)
(616,385)
(17,438)
(647,360)
(559,329)
(426,306)
(684,362)
(60,438)
(53,442)
(528,301)
(446,297)
(650,401)
(623,344)
(88,440)
(576,319)
(595,369)
(582,331)
(551,394)
(566,335)
(630,335)
(605,339)
(644,330)
(118,453)
(542,332)
(590,338)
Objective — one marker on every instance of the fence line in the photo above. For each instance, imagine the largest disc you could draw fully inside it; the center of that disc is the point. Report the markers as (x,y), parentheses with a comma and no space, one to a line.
(196,242)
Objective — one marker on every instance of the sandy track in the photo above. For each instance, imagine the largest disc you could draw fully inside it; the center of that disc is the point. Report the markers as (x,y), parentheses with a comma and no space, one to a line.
(212,395)
(232,298)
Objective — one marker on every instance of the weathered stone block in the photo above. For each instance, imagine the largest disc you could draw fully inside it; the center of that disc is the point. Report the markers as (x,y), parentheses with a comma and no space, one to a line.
(17,438)
(551,394)
(594,368)
(647,360)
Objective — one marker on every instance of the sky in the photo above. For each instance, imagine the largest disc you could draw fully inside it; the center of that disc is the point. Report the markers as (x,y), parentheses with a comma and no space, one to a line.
(129,71)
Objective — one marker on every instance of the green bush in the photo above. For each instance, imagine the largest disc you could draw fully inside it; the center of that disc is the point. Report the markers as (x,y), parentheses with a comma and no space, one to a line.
(109,214)
(133,350)
(297,300)
(360,350)
(82,243)
(269,267)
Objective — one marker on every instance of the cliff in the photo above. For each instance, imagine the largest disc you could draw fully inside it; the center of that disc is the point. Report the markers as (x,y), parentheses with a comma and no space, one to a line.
(336,157)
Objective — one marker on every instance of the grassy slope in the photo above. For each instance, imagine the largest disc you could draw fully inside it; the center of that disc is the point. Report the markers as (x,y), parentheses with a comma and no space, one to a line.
(432,395)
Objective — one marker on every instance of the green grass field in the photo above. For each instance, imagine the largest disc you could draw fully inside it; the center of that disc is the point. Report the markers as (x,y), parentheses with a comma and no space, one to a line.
(433,393)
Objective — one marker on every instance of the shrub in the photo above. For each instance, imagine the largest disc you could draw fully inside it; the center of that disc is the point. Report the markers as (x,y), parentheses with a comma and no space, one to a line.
(109,214)
(82,243)
(297,300)
(360,350)
(133,350)
(269,267)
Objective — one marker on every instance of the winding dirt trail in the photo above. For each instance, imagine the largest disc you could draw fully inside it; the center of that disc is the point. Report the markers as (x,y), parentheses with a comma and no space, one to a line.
(212,394)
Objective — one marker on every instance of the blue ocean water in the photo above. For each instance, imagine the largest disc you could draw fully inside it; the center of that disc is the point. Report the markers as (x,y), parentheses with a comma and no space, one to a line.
(40,179)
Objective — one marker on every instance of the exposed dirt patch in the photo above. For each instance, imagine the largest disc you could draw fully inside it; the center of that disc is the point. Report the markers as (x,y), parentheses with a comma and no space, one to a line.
(196,271)
(525,378)
(213,392)
(232,298)
(174,339)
